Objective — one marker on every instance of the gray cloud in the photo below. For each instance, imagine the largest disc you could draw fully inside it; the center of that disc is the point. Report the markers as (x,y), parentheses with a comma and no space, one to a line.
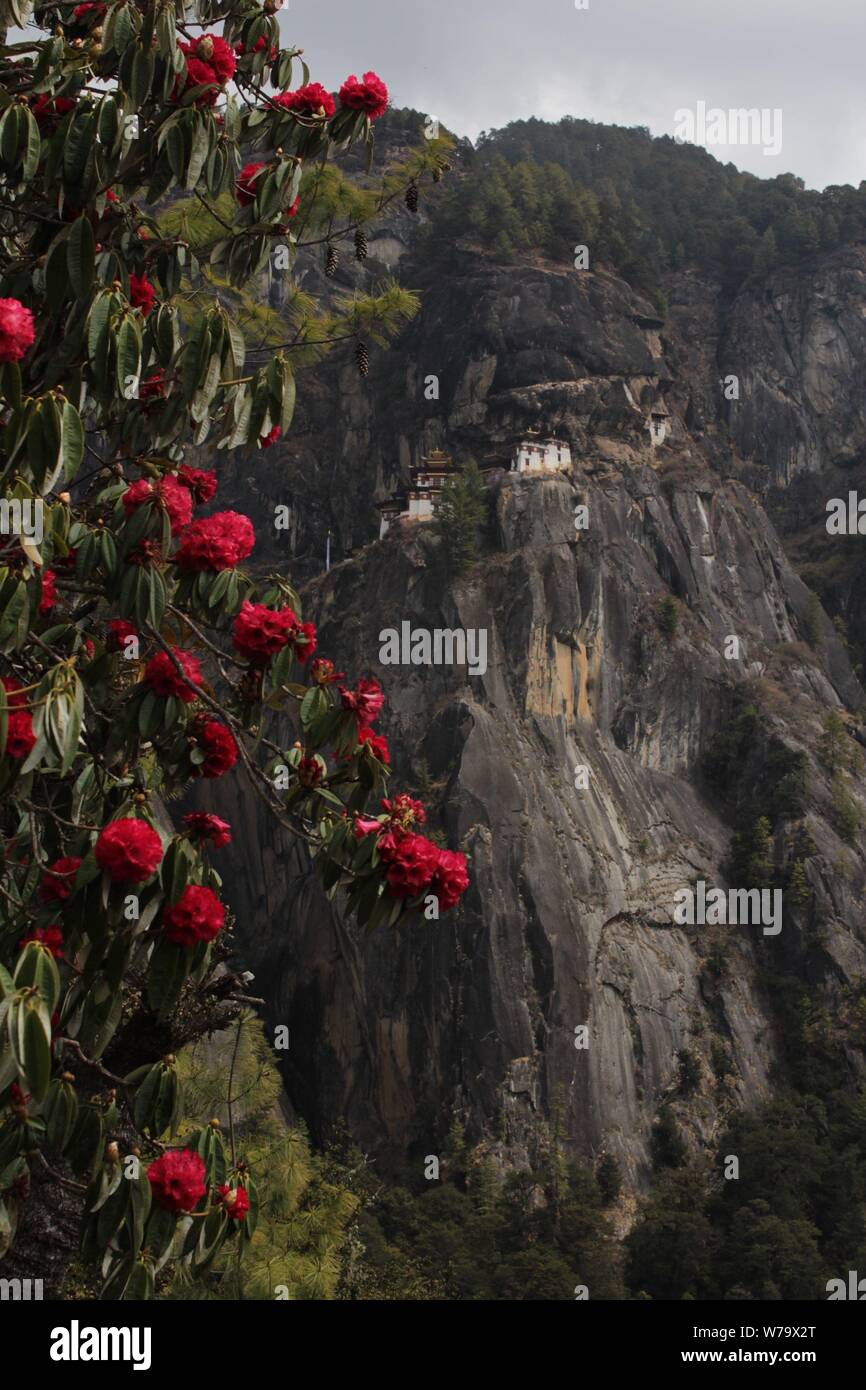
(477,64)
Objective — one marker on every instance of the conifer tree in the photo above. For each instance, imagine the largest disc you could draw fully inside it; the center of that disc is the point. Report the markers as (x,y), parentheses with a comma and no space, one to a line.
(460,512)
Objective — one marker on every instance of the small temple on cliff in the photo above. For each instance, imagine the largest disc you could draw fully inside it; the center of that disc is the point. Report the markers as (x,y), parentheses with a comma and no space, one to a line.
(536,455)
(418,501)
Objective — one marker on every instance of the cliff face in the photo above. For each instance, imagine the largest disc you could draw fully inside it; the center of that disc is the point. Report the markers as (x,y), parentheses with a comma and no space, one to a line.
(569,918)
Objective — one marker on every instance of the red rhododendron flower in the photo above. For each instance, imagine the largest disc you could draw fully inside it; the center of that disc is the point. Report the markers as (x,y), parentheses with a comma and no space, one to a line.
(305,641)
(245,184)
(128,850)
(311,100)
(119,630)
(260,632)
(234,1201)
(198,74)
(370,95)
(202,482)
(177,1180)
(218,744)
(450,880)
(16,330)
(365,825)
(322,672)
(48,597)
(164,679)
(411,861)
(91,9)
(376,743)
(198,915)
(217,542)
(50,937)
(153,386)
(20,738)
(171,495)
(57,890)
(270,438)
(141,294)
(45,108)
(309,772)
(215,51)
(203,828)
(365,701)
(12,686)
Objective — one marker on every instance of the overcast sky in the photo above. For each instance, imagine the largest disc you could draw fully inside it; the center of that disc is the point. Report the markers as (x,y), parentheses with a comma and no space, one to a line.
(477,64)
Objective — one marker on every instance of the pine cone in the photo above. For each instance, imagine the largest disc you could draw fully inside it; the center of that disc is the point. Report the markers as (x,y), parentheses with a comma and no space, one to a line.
(412,197)
(437,175)
(332,260)
(362,357)
(360,245)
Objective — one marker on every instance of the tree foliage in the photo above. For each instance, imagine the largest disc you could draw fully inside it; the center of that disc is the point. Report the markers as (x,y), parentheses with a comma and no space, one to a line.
(149,169)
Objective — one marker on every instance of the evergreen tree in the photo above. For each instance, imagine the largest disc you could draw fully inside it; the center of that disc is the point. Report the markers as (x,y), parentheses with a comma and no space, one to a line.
(461,509)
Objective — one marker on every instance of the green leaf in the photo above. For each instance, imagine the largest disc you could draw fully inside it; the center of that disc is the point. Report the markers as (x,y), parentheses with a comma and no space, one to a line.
(141,76)
(72,441)
(128,356)
(313,705)
(33,147)
(169,966)
(80,256)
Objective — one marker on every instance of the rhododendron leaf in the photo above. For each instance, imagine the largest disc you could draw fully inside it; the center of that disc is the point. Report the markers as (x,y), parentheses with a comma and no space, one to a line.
(61,1112)
(80,256)
(72,436)
(169,966)
(33,146)
(145,1096)
(31,1044)
(141,75)
(160,1231)
(313,705)
(199,152)
(37,969)
(128,355)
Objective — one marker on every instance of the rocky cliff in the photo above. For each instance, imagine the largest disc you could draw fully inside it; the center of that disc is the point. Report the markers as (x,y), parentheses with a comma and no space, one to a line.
(568,923)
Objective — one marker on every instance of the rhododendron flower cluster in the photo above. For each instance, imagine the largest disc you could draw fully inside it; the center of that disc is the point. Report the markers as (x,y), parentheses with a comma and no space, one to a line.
(16,330)
(198,915)
(217,542)
(57,882)
(234,1201)
(119,631)
(323,672)
(207,829)
(164,679)
(260,632)
(218,745)
(141,294)
(377,744)
(172,496)
(128,850)
(310,100)
(211,63)
(370,95)
(365,701)
(202,482)
(177,1180)
(48,597)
